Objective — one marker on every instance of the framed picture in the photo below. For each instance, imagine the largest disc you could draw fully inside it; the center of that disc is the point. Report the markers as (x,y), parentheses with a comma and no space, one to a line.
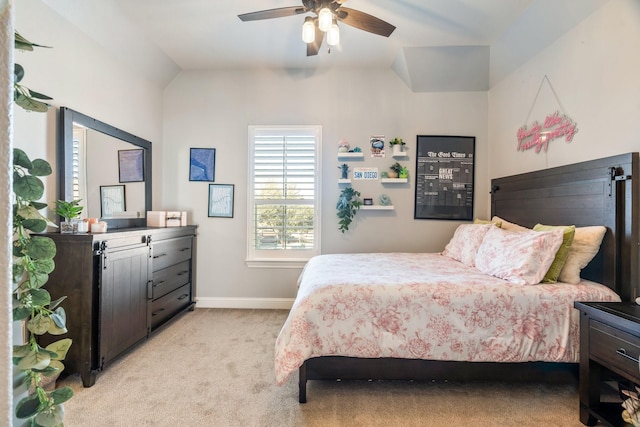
(112,200)
(444,177)
(221,200)
(131,165)
(202,164)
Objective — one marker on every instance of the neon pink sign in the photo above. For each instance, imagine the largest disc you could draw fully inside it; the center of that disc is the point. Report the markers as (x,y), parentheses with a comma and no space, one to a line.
(539,135)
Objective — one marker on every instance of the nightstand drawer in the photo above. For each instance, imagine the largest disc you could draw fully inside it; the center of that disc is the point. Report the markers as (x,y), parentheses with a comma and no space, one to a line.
(615,348)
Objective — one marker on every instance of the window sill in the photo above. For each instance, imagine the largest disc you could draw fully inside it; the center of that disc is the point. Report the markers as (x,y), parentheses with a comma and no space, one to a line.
(275,263)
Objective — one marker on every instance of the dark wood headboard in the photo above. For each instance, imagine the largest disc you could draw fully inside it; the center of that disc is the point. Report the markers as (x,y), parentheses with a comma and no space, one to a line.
(597,192)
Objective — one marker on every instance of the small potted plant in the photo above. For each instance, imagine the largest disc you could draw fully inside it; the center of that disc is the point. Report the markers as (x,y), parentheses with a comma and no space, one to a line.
(69,211)
(396,168)
(398,145)
(344,168)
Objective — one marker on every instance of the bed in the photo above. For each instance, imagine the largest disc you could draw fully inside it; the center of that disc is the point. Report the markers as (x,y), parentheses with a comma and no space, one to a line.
(374,316)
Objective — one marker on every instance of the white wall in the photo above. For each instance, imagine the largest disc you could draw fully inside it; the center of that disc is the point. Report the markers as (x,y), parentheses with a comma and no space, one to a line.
(594,71)
(79,74)
(214,109)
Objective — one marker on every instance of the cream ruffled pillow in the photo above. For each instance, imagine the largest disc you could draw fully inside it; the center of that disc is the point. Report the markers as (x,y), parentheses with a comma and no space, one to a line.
(585,246)
(509,226)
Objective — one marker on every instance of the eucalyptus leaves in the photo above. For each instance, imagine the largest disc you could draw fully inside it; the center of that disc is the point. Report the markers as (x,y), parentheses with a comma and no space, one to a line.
(28,99)
(347,206)
(32,263)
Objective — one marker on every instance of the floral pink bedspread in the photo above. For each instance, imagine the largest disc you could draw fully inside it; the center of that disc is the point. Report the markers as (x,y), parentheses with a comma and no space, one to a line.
(427,306)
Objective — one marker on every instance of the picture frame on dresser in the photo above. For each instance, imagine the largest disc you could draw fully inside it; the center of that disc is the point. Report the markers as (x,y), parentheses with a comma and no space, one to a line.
(112,200)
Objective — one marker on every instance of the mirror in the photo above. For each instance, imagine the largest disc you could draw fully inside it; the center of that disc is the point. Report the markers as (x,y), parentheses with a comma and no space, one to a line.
(109,169)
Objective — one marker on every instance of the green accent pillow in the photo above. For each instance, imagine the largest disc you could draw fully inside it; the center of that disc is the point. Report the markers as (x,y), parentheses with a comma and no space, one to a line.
(563,252)
(484,221)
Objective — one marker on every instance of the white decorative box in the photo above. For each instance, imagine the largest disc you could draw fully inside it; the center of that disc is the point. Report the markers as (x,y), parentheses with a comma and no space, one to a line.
(176,218)
(156,219)
(166,218)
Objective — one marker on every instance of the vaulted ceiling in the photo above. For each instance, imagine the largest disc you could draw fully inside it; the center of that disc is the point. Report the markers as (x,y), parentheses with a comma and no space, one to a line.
(433,38)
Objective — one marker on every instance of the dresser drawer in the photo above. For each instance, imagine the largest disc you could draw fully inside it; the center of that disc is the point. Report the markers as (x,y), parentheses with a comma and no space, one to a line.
(165,307)
(170,278)
(615,348)
(169,252)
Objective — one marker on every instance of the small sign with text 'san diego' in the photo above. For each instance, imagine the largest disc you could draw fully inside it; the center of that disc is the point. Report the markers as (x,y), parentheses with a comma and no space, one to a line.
(365,173)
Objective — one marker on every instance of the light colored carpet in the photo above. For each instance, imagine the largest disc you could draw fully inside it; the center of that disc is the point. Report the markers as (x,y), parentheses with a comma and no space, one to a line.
(214,367)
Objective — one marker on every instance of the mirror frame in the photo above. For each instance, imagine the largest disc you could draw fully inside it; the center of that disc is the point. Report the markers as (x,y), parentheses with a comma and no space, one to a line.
(65,160)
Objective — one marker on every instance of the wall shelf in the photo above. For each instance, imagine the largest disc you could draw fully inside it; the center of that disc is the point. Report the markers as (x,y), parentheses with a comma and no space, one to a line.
(352,156)
(400,156)
(377,208)
(344,181)
(394,180)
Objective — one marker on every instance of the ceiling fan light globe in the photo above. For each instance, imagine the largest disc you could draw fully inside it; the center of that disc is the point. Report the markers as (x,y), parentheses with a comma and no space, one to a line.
(325,19)
(333,35)
(308,31)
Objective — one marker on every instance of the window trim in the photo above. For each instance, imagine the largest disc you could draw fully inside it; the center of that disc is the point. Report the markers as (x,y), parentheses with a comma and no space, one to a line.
(266,259)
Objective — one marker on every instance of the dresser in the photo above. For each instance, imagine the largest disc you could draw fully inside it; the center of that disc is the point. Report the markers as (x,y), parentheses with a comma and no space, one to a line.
(609,346)
(121,286)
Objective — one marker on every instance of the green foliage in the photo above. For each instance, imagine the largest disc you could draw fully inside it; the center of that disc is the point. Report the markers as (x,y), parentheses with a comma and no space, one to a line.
(396,167)
(396,141)
(32,264)
(347,206)
(26,98)
(68,210)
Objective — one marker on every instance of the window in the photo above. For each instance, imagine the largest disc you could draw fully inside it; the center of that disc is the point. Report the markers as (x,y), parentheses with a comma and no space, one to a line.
(79,178)
(284,195)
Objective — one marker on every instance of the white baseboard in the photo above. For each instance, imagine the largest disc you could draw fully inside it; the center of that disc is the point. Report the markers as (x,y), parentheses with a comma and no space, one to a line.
(264,303)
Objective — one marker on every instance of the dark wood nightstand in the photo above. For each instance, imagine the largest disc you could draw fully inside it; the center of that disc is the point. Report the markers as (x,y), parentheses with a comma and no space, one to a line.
(609,340)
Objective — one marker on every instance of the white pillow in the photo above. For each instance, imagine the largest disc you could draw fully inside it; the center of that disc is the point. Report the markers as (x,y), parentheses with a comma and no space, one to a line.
(522,257)
(586,244)
(465,242)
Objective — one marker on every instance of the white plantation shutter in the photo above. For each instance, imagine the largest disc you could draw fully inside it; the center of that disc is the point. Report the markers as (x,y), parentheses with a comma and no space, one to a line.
(284,193)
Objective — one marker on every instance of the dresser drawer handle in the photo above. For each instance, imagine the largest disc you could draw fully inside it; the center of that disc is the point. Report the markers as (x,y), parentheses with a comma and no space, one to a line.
(622,352)
(181,297)
(185,249)
(158,256)
(182,273)
(155,313)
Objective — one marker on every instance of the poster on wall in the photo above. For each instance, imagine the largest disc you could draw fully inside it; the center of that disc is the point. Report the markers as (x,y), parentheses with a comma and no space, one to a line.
(444,177)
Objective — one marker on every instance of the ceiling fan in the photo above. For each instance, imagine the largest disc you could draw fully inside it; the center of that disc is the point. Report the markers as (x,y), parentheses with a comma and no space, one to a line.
(327,14)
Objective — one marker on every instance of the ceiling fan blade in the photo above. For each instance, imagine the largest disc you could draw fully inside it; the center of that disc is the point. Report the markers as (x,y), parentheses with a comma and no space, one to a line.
(273,13)
(314,47)
(364,21)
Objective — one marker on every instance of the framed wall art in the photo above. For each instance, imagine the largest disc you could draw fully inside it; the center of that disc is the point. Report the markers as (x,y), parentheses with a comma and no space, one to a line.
(202,164)
(112,200)
(221,200)
(444,177)
(131,165)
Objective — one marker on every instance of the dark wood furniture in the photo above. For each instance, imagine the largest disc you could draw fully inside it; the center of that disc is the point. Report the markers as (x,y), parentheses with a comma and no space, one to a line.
(121,286)
(609,341)
(597,192)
